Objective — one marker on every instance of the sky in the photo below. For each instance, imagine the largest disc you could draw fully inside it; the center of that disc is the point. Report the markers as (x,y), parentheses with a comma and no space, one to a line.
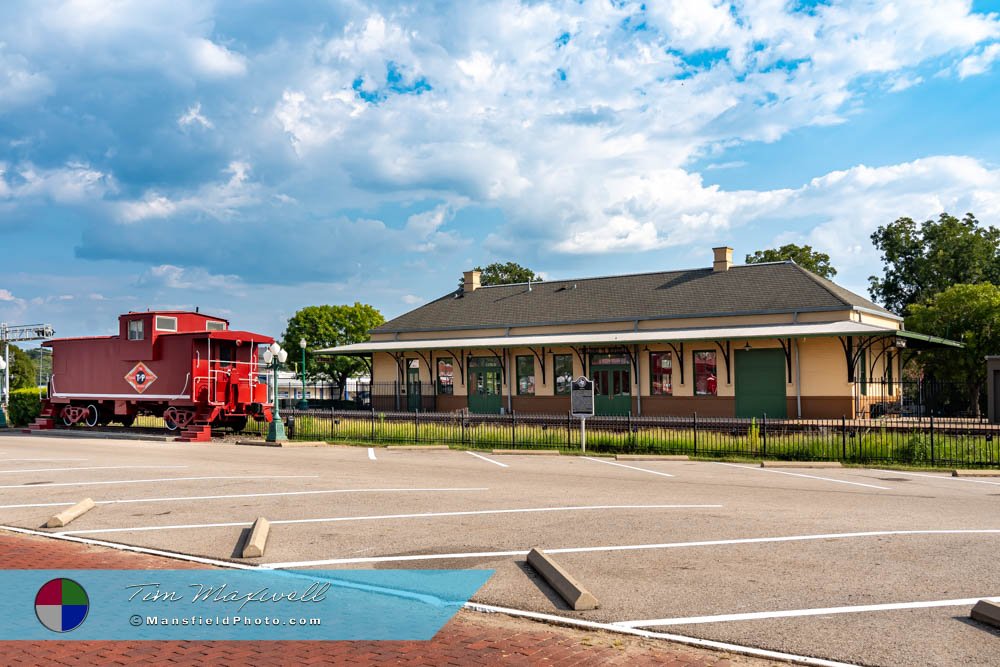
(252,158)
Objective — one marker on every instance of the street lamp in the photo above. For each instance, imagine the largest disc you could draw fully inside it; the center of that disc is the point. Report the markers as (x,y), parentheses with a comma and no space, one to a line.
(274,356)
(3,414)
(303,403)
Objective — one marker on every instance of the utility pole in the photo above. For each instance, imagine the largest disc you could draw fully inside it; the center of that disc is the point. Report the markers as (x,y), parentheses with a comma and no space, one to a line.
(21,333)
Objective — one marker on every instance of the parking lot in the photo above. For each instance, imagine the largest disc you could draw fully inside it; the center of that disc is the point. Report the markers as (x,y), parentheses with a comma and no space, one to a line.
(854,565)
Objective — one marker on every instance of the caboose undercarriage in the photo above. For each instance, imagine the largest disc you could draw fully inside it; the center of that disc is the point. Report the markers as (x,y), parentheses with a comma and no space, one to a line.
(92,413)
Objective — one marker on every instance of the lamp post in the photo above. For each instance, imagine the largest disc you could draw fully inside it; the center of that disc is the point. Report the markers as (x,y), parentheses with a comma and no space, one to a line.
(274,356)
(303,403)
(3,394)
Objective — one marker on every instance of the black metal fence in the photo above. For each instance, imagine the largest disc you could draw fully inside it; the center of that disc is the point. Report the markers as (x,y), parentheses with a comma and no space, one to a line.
(919,398)
(931,441)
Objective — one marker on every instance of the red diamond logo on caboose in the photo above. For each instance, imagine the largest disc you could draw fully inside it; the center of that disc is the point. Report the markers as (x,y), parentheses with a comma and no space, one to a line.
(140,377)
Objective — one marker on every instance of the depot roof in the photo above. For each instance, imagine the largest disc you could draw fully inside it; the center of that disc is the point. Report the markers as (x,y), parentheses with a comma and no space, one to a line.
(751,289)
(805,330)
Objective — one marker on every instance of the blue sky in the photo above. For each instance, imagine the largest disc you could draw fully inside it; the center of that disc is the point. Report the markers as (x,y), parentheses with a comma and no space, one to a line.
(251,158)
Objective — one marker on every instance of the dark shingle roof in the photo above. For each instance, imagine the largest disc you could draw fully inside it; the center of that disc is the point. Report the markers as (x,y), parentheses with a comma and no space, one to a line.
(779,287)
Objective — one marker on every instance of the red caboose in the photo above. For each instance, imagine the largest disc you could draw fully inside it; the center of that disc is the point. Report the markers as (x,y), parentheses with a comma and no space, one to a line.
(188,368)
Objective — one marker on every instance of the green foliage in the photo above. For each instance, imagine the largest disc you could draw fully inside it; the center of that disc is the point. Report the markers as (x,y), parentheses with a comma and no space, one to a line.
(25,405)
(970,314)
(804,256)
(923,259)
(329,326)
(506,274)
(753,434)
(23,372)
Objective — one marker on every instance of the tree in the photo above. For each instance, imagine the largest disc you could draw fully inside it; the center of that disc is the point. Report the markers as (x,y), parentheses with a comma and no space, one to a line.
(967,313)
(506,274)
(923,260)
(23,372)
(329,326)
(804,256)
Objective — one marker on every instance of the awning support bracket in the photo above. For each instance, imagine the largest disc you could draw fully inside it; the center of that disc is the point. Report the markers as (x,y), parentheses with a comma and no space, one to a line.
(788,356)
(725,355)
(680,358)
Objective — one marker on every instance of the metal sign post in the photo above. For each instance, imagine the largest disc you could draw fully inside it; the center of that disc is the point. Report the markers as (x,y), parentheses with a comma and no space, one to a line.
(581,401)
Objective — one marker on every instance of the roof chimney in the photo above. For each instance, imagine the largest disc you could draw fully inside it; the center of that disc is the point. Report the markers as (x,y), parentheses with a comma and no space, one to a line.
(723,258)
(470,281)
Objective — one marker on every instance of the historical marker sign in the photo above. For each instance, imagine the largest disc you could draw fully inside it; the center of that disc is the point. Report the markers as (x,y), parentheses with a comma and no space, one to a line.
(581,397)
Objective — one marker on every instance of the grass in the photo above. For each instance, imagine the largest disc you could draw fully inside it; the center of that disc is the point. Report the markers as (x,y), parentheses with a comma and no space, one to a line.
(729,439)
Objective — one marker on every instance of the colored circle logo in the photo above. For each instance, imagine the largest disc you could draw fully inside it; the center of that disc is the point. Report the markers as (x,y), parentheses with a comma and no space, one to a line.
(61,605)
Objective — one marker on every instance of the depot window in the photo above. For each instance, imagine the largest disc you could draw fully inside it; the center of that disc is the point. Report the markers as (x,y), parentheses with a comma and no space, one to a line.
(661,374)
(446,375)
(706,379)
(562,364)
(136,330)
(526,376)
(164,323)
(215,325)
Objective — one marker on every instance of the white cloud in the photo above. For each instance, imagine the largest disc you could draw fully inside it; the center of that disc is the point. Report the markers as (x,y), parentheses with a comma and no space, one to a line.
(195,278)
(73,183)
(411,299)
(194,115)
(978,63)
(212,60)
(5,295)
(218,200)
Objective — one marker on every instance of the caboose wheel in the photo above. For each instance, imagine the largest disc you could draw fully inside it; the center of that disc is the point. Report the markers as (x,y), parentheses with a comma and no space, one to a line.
(67,419)
(92,415)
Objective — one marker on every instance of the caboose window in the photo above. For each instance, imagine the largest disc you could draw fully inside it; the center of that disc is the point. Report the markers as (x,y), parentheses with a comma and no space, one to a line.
(135,330)
(214,325)
(164,323)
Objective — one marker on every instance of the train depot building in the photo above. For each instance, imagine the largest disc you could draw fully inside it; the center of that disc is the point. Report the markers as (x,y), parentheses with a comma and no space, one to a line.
(721,341)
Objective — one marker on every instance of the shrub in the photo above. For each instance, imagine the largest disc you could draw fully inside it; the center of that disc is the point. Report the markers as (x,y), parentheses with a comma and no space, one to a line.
(915,449)
(25,405)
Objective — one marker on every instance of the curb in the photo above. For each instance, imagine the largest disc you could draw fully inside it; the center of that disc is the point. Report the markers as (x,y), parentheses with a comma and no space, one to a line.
(254,547)
(67,515)
(800,464)
(424,448)
(528,452)
(575,595)
(652,457)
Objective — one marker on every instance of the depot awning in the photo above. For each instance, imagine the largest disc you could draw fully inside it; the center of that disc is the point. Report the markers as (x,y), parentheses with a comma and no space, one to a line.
(804,330)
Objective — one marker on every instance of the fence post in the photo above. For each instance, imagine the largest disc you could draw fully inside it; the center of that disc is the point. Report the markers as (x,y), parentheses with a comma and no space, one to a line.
(695,421)
(463,428)
(513,429)
(631,440)
(373,423)
(763,434)
(932,440)
(843,437)
(569,428)
(416,427)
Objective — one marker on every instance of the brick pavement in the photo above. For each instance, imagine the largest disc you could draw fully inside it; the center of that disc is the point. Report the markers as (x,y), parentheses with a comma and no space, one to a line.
(470,638)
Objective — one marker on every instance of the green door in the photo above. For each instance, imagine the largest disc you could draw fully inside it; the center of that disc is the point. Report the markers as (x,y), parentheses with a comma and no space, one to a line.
(413,389)
(612,390)
(485,386)
(760,383)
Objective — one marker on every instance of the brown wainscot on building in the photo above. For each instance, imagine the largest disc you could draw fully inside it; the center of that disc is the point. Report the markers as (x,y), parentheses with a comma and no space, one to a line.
(726,340)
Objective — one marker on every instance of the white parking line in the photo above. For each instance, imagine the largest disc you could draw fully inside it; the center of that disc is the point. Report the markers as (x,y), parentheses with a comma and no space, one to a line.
(425,515)
(371,453)
(146,481)
(630,547)
(791,613)
(480,456)
(949,478)
(250,495)
(89,468)
(799,474)
(622,465)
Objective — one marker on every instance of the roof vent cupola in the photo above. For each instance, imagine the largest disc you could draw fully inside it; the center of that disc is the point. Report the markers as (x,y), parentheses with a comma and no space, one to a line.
(723,258)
